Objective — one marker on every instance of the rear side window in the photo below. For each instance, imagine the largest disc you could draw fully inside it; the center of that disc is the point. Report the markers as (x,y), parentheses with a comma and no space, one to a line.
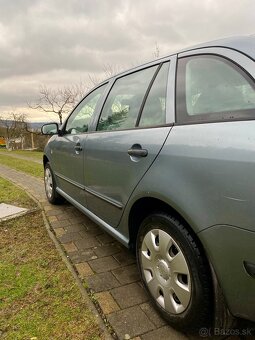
(154,111)
(123,103)
(211,88)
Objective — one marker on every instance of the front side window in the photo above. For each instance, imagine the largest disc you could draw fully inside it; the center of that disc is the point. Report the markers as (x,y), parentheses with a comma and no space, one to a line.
(213,88)
(79,120)
(122,106)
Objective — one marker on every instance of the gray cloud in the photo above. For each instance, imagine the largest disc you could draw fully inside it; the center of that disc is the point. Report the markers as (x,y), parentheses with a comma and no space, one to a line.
(58,42)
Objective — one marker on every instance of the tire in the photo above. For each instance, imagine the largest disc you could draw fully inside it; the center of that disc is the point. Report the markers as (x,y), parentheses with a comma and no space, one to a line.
(175,272)
(50,186)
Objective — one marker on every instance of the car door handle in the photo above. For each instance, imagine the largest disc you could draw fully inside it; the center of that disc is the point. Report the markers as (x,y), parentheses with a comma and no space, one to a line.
(78,147)
(137,151)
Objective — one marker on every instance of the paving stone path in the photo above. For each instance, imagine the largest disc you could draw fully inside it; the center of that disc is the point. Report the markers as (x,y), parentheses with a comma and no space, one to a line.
(106,267)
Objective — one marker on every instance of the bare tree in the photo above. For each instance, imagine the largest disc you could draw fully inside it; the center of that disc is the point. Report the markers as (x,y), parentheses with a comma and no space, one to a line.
(111,70)
(108,72)
(14,126)
(156,52)
(59,101)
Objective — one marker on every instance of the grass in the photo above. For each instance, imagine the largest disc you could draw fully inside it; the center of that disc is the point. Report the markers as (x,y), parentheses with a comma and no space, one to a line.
(32,154)
(38,296)
(11,194)
(31,168)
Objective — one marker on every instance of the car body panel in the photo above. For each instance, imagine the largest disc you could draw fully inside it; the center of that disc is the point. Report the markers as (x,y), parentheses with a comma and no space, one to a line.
(68,165)
(206,174)
(227,248)
(111,174)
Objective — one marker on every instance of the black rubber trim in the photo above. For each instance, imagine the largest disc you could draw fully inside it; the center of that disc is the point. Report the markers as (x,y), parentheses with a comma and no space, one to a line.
(250,268)
(146,95)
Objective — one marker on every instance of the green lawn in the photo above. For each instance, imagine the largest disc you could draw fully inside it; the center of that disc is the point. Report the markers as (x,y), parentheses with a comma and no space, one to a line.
(33,154)
(13,195)
(38,296)
(31,168)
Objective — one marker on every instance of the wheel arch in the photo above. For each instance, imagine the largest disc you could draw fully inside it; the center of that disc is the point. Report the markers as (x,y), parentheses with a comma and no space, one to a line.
(144,207)
(45,160)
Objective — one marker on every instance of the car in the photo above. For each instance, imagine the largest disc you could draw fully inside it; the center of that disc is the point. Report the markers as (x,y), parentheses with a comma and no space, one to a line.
(162,157)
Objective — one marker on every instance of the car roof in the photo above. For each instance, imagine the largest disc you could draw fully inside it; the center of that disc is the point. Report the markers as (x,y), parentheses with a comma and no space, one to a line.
(244,44)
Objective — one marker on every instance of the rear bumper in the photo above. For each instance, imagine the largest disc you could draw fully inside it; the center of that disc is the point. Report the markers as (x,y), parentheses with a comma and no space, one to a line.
(229,249)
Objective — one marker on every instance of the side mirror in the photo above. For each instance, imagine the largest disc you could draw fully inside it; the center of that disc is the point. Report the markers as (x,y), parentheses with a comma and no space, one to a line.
(50,129)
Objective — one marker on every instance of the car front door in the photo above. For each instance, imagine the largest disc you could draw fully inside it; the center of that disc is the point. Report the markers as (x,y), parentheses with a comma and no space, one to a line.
(68,148)
(130,132)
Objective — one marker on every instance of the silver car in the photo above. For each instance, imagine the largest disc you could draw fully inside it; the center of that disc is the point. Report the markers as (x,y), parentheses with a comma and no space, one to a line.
(162,157)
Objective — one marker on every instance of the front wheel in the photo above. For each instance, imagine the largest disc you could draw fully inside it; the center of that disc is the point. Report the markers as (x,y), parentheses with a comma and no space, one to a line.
(175,272)
(50,186)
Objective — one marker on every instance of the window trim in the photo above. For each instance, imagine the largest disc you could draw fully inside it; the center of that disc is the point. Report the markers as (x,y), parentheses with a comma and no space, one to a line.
(147,94)
(181,115)
(134,128)
(166,96)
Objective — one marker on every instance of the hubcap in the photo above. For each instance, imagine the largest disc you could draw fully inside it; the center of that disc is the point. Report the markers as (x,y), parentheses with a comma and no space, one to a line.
(166,271)
(48,182)
(162,269)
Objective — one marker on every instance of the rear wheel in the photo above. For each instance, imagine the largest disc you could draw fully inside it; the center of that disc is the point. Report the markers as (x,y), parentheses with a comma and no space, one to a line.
(50,186)
(175,272)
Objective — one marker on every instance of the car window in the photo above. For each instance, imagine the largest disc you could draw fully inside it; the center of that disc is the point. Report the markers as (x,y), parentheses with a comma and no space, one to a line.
(154,111)
(210,87)
(124,100)
(79,120)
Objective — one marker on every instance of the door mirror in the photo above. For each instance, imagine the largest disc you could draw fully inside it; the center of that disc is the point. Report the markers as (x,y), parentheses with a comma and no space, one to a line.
(50,129)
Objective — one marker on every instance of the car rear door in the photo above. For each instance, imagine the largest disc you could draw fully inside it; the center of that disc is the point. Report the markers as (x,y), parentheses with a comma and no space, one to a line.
(129,135)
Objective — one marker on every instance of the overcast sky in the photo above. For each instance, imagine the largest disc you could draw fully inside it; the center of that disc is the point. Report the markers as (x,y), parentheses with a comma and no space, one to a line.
(58,43)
